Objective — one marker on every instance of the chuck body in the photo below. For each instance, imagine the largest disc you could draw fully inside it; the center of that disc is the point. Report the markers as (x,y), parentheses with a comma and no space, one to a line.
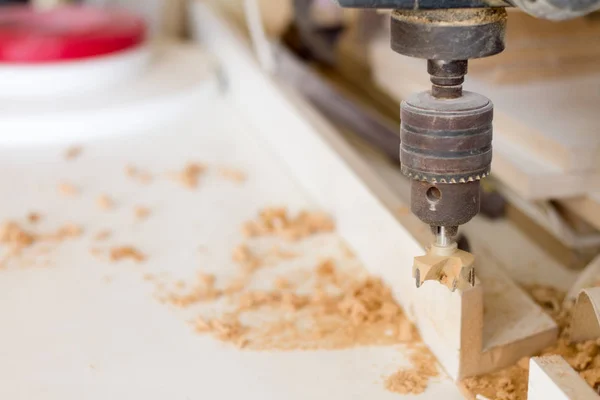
(446,150)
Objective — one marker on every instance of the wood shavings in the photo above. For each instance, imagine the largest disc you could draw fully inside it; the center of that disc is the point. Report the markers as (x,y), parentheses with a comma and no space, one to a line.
(141,212)
(68,189)
(324,307)
(126,252)
(18,239)
(67,231)
(511,383)
(149,277)
(73,152)
(358,312)
(282,284)
(137,174)
(277,222)
(34,217)
(232,174)
(190,175)
(278,253)
(202,290)
(15,237)
(104,202)
(347,251)
(414,380)
(246,258)
(235,286)
(103,235)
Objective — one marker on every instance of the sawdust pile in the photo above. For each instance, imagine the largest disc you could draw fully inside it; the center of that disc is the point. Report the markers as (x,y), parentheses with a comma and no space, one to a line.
(17,239)
(190,175)
(414,380)
(277,222)
(120,253)
(327,308)
(511,383)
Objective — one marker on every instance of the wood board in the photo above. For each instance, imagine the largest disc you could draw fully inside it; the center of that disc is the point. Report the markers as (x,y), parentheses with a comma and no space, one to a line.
(585,322)
(551,377)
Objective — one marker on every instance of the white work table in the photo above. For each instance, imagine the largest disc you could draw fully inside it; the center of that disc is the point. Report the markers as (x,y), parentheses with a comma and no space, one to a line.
(86,328)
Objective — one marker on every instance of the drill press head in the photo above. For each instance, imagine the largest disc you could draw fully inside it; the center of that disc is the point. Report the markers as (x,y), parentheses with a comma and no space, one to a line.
(446,133)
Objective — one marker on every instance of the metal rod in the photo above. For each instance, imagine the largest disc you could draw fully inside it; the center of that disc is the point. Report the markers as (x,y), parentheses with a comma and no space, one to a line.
(444,235)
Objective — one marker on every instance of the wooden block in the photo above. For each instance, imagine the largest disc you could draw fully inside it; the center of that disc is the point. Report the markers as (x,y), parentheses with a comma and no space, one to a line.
(552,378)
(585,322)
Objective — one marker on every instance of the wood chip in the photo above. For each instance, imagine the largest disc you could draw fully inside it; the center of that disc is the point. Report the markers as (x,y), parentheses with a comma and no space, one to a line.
(141,212)
(34,217)
(232,174)
(138,174)
(18,240)
(104,202)
(126,252)
(277,222)
(68,189)
(246,258)
(67,231)
(73,152)
(414,380)
(103,235)
(15,237)
(190,175)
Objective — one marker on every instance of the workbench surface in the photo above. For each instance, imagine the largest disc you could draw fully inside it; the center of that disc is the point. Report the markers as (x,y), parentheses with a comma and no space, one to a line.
(75,326)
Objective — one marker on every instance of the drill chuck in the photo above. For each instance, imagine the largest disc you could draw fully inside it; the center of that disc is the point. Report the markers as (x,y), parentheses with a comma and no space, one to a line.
(446,148)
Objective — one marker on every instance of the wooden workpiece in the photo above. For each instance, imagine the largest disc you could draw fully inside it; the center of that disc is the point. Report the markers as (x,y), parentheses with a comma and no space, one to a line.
(585,322)
(552,378)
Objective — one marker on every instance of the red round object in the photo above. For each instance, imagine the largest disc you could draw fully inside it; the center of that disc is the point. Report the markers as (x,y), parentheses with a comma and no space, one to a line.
(66,33)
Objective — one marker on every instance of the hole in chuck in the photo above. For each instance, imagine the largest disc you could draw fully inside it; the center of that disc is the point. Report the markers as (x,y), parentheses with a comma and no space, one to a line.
(433,194)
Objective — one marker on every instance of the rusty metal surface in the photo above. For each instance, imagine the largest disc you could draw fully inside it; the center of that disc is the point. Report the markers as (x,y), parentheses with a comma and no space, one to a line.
(460,34)
(446,140)
(456,204)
